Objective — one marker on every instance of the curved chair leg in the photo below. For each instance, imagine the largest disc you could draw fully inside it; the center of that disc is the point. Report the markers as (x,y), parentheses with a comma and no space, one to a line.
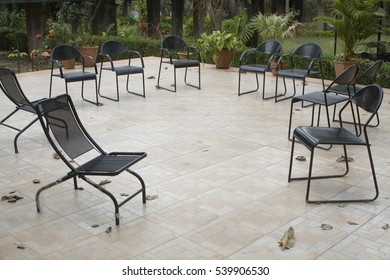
(249,91)
(135,93)
(48,186)
(188,84)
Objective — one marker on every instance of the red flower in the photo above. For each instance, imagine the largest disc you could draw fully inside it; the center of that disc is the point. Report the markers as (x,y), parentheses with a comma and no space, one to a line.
(39,37)
(51,32)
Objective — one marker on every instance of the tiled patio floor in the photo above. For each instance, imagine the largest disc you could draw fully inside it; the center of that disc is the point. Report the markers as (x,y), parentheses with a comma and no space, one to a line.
(217,162)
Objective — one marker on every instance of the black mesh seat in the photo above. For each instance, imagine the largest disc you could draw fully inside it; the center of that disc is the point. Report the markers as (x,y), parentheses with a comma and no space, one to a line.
(65,52)
(366,77)
(310,55)
(251,62)
(73,144)
(325,98)
(368,99)
(112,50)
(10,86)
(170,46)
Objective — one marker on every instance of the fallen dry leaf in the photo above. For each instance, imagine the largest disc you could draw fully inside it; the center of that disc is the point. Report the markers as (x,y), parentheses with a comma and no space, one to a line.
(288,239)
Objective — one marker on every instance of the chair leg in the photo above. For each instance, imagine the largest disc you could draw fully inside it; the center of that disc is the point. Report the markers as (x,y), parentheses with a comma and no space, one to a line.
(135,93)
(188,84)
(249,91)
(96,93)
(158,80)
(285,90)
(20,132)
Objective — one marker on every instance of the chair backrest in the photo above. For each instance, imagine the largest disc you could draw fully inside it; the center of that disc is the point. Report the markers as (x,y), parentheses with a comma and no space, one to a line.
(173,43)
(64,52)
(113,48)
(309,50)
(346,77)
(10,86)
(371,72)
(270,47)
(63,127)
(369,99)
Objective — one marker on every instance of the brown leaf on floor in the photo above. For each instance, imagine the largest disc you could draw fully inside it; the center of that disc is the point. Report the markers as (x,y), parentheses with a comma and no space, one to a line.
(124,194)
(326,227)
(300,158)
(151,197)
(36,181)
(151,77)
(386,226)
(342,159)
(288,239)
(109,229)
(104,182)
(352,223)
(56,156)
(20,246)
(95,225)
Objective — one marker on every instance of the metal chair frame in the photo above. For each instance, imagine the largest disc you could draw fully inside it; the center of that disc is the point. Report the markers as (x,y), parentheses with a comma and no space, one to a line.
(170,45)
(111,50)
(369,99)
(312,53)
(271,49)
(9,84)
(65,52)
(326,97)
(70,140)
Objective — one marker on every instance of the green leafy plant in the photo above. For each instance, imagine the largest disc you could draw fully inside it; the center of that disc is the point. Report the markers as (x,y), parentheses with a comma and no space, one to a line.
(275,26)
(354,21)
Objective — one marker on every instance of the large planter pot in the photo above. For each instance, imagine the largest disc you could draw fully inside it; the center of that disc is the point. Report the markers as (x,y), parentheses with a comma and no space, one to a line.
(89,51)
(184,55)
(223,58)
(340,66)
(69,63)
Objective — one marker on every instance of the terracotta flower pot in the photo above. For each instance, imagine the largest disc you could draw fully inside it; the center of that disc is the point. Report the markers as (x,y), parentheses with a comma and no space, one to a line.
(184,55)
(224,58)
(69,63)
(89,51)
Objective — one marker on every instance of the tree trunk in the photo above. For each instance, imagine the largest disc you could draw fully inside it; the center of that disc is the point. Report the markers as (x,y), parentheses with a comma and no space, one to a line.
(177,7)
(35,24)
(103,16)
(153,16)
(253,8)
(198,15)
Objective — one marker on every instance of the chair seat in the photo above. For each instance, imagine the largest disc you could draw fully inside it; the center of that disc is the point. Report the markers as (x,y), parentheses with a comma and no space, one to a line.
(311,136)
(254,68)
(319,98)
(293,73)
(185,63)
(77,76)
(109,164)
(125,69)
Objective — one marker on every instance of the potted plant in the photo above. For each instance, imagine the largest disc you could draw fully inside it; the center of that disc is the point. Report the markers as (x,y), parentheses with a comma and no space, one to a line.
(277,27)
(354,21)
(87,45)
(222,46)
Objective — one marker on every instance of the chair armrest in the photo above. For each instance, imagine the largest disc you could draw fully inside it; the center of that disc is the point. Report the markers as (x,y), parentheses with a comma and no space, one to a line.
(193,49)
(246,54)
(168,53)
(88,57)
(109,58)
(138,54)
(56,64)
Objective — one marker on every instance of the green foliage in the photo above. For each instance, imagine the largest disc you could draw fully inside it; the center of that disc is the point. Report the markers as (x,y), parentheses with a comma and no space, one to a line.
(239,27)
(354,22)
(275,26)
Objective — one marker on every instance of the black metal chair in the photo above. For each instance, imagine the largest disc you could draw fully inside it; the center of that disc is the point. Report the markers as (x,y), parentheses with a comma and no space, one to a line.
(170,46)
(71,141)
(258,61)
(325,97)
(9,84)
(309,56)
(367,77)
(368,99)
(112,50)
(65,52)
